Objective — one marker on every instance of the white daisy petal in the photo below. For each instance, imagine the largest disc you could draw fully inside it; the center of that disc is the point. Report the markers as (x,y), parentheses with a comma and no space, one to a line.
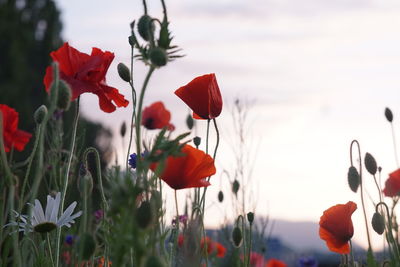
(54,213)
(38,211)
(49,207)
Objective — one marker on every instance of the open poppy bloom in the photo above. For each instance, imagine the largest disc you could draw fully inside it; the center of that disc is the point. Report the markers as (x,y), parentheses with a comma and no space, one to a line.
(213,247)
(392,184)
(275,263)
(203,96)
(189,170)
(156,116)
(336,227)
(86,74)
(12,136)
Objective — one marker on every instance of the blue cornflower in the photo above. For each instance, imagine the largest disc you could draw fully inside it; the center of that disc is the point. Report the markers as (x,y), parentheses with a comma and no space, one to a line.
(133,159)
(69,239)
(308,262)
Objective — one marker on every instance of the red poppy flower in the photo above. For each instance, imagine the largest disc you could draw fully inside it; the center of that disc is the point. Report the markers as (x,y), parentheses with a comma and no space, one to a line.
(392,184)
(202,95)
(336,227)
(156,116)
(86,74)
(256,259)
(275,263)
(213,247)
(187,171)
(11,135)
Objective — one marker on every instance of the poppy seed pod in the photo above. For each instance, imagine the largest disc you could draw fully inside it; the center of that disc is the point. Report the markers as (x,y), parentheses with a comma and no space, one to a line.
(197,141)
(220,196)
(370,164)
(235,187)
(122,130)
(189,122)
(158,56)
(378,223)
(64,96)
(353,179)
(123,72)
(237,237)
(144,215)
(86,246)
(388,114)
(40,114)
(145,27)
(250,217)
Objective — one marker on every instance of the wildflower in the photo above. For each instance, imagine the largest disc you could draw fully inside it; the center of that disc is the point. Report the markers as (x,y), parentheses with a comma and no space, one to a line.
(133,159)
(156,116)
(203,96)
(392,184)
(336,227)
(47,221)
(66,256)
(275,263)
(213,247)
(256,259)
(13,137)
(102,262)
(182,219)
(99,214)
(189,170)
(86,74)
(308,262)
(69,240)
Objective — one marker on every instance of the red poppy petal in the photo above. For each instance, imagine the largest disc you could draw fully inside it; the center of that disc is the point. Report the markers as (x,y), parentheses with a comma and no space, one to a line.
(20,139)
(69,59)
(334,244)
(48,78)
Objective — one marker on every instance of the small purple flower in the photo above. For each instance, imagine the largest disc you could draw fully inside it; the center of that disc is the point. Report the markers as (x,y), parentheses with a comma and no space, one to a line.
(308,262)
(69,240)
(133,159)
(182,219)
(98,214)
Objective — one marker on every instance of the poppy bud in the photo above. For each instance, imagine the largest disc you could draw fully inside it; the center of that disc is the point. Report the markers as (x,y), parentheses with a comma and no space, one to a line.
(64,96)
(189,122)
(122,130)
(220,196)
(85,182)
(197,141)
(40,114)
(132,40)
(378,223)
(353,179)
(144,215)
(250,217)
(86,246)
(154,261)
(237,237)
(145,27)
(164,40)
(123,72)
(370,163)
(235,186)
(388,114)
(158,56)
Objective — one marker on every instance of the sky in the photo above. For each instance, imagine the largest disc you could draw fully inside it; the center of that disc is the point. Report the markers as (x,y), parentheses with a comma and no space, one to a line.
(315,75)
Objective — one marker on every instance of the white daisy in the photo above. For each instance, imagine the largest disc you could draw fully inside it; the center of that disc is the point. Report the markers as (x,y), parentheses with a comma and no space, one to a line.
(45,221)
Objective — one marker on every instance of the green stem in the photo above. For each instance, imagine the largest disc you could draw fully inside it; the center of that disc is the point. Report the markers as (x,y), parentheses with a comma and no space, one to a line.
(139,120)
(250,245)
(16,254)
(396,248)
(394,145)
(49,247)
(9,175)
(65,185)
(361,187)
(133,107)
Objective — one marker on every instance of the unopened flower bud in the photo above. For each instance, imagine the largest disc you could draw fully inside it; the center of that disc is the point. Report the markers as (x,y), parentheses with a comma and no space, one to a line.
(197,141)
(123,72)
(64,96)
(40,114)
(189,122)
(220,196)
(85,182)
(237,237)
(353,179)
(154,261)
(144,215)
(86,246)
(145,27)
(250,217)
(122,130)
(158,56)
(388,114)
(378,223)
(370,164)
(235,187)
